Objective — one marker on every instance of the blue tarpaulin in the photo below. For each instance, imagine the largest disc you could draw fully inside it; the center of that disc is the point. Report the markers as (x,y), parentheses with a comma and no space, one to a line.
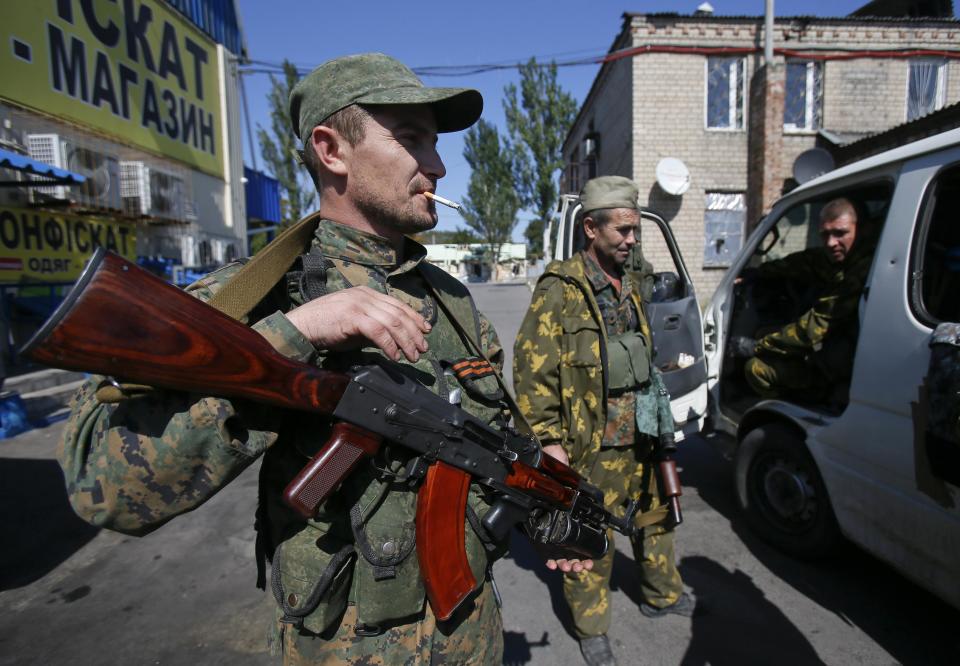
(11,160)
(263,196)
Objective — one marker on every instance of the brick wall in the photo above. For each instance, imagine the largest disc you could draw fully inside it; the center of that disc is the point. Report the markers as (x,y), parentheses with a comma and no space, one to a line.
(864,95)
(671,123)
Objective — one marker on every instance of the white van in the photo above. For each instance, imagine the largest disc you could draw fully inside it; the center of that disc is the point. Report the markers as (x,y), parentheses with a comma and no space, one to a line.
(859,463)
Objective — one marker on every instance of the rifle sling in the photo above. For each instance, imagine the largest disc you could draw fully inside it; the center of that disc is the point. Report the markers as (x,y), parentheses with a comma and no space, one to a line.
(651,517)
(520,422)
(261,274)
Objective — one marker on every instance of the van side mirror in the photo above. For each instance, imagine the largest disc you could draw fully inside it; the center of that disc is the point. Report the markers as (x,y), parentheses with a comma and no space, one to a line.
(666,287)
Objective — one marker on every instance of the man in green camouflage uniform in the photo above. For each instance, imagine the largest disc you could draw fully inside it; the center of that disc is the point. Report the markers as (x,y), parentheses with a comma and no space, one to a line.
(809,356)
(347,583)
(581,355)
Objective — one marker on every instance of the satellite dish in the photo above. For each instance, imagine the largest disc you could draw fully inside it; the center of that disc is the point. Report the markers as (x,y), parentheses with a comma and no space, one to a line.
(812,163)
(673,176)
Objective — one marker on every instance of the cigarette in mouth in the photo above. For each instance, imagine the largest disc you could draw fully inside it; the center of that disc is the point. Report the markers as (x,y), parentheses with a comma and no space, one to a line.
(440,200)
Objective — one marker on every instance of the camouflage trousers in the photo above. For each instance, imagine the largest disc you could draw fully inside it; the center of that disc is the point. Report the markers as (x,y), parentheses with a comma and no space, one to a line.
(473,636)
(774,377)
(621,473)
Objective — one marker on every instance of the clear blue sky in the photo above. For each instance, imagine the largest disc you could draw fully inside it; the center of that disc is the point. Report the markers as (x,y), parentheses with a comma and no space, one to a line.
(427,32)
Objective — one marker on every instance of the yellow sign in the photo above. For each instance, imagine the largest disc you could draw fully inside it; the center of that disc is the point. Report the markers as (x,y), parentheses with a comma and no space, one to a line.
(39,246)
(133,69)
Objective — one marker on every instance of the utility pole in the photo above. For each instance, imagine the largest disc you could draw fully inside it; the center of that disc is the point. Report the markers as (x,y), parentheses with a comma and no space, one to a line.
(768,34)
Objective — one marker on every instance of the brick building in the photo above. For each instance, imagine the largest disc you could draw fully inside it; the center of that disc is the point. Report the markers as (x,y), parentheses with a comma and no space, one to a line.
(695,87)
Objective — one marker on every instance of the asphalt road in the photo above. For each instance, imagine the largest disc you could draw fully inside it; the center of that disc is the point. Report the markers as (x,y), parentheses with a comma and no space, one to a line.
(71,594)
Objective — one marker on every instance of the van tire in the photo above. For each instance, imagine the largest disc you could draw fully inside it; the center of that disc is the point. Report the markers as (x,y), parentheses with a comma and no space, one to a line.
(781,493)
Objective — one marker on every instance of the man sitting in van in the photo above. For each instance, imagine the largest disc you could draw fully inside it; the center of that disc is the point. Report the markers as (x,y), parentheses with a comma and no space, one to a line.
(808,357)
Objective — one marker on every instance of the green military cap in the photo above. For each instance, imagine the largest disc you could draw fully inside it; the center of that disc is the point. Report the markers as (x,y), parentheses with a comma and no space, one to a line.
(608,192)
(375,78)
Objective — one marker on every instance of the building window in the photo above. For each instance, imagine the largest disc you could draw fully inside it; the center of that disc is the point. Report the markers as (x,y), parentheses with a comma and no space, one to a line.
(803,97)
(591,152)
(926,87)
(205,253)
(723,223)
(571,173)
(725,93)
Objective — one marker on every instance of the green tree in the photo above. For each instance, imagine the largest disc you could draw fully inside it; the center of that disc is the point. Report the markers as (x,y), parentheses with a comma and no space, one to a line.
(539,116)
(278,146)
(491,205)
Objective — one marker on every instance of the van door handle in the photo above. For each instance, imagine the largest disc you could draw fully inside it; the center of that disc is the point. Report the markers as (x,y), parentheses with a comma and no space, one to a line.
(671,323)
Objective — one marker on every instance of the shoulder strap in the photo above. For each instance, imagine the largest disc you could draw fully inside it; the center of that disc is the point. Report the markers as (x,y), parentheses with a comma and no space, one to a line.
(259,275)
(443,295)
(454,295)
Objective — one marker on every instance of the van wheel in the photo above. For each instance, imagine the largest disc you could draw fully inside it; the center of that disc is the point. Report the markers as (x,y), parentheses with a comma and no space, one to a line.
(780,491)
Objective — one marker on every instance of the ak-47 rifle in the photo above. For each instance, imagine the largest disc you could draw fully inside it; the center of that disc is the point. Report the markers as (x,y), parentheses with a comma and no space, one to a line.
(666,447)
(123,322)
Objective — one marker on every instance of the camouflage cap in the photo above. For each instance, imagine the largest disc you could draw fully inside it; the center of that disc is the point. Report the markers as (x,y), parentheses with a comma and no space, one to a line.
(375,78)
(608,192)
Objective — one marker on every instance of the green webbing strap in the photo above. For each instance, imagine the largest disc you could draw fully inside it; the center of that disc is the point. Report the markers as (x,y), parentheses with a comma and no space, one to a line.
(651,517)
(262,273)
(519,420)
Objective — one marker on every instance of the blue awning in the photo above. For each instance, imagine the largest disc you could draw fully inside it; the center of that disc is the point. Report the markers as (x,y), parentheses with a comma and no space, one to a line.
(263,196)
(18,162)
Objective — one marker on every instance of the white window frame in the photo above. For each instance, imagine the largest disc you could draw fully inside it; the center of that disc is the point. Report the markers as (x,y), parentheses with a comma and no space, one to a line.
(941,89)
(735,64)
(811,99)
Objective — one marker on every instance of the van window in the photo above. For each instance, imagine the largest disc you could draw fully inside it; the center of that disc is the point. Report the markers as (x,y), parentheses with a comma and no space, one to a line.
(655,249)
(799,227)
(937,262)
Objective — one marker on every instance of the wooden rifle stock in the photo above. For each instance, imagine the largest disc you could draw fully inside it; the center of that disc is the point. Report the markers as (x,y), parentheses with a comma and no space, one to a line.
(672,490)
(670,486)
(120,320)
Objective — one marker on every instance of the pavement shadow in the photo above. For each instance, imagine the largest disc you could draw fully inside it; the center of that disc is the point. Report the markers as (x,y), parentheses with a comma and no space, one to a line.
(526,557)
(738,608)
(517,648)
(912,625)
(40,529)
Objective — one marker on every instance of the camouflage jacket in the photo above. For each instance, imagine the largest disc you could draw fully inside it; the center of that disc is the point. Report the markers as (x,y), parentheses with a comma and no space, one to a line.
(833,318)
(135,465)
(560,368)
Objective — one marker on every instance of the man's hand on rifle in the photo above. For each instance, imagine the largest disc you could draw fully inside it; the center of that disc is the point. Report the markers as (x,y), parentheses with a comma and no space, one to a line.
(556,451)
(354,317)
